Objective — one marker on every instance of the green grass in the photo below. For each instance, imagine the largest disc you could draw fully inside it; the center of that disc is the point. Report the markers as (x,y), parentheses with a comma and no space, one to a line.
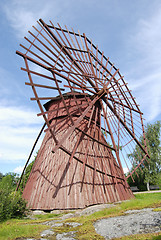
(48,216)
(13,229)
(149,236)
(51,215)
(157,210)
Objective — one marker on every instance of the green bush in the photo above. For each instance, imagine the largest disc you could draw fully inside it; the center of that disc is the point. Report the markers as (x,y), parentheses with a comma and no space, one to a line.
(142,188)
(11,205)
(8,182)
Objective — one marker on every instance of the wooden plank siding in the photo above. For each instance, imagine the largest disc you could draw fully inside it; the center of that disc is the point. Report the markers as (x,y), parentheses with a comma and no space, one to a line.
(91,177)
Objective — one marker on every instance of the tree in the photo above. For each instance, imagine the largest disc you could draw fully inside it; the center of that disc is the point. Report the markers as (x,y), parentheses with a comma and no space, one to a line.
(1,176)
(11,203)
(26,175)
(148,172)
(9,181)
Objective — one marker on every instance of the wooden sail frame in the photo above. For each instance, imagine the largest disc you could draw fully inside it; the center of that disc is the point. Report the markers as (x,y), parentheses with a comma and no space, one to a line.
(61,63)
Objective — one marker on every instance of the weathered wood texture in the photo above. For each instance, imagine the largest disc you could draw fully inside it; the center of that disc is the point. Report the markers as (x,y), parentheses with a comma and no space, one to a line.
(89,175)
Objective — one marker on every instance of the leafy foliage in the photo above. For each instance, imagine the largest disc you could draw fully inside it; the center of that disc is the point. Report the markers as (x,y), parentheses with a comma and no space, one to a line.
(26,175)
(149,172)
(9,181)
(11,204)
(1,176)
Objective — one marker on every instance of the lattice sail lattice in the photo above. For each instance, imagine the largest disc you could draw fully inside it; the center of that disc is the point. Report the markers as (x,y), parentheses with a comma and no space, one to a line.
(92,122)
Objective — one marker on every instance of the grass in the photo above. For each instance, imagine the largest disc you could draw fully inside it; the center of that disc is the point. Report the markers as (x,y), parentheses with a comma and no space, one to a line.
(149,236)
(13,229)
(51,215)
(48,216)
(157,210)
(31,228)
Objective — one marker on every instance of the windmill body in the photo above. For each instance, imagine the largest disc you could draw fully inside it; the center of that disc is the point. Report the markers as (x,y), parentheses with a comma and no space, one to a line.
(93,122)
(91,177)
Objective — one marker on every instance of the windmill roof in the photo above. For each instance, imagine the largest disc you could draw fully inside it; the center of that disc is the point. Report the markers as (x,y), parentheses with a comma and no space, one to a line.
(66,96)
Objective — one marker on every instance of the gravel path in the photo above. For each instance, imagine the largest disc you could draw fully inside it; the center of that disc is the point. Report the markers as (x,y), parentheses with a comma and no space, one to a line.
(134,222)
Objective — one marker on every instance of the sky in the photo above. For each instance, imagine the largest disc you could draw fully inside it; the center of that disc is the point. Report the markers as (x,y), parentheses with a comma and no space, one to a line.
(127,31)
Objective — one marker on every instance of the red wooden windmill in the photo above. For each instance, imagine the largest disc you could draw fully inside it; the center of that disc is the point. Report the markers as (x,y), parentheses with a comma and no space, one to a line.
(92,119)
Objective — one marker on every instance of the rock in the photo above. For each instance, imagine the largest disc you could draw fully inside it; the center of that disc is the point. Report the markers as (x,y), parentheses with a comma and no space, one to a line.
(57,225)
(51,222)
(35,239)
(93,209)
(38,212)
(139,211)
(66,236)
(56,211)
(137,222)
(68,215)
(73,224)
(30,239)
(46,233)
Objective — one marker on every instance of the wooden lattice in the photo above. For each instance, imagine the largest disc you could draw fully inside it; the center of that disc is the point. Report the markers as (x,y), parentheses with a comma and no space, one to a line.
(92,122)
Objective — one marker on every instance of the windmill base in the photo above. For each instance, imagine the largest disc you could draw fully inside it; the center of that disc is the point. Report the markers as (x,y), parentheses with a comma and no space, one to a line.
(54,183)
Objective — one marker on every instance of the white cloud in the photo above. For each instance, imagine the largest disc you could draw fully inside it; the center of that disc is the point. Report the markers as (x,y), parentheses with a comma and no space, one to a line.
(149,36)
(20,19)
(23,14)
(18,115)
(125,170)
(145,75)
(18,169)
(19,129)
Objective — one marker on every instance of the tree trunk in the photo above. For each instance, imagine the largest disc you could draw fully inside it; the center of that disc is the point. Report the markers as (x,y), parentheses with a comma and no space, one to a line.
(147,185)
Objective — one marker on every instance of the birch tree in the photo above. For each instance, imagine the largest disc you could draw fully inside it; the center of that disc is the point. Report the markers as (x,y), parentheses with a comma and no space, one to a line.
(150,171)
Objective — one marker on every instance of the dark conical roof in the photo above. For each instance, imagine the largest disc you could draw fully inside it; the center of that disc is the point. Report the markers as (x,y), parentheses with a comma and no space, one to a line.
(66,96)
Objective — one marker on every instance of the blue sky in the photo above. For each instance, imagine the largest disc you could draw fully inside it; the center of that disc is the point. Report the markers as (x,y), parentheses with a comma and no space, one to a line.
(127,31)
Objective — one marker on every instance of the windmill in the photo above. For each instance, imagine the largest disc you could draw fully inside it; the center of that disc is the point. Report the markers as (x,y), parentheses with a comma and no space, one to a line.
(92,122)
